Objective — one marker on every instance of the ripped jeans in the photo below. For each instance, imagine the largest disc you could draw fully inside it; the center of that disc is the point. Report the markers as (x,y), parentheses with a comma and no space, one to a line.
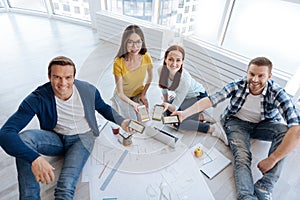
(239,133)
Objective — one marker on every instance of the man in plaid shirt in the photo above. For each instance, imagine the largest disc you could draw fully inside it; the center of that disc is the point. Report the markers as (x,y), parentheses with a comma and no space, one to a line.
(258,108)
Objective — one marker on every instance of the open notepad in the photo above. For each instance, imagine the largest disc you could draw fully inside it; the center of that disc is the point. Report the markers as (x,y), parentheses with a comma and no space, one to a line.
(212,162)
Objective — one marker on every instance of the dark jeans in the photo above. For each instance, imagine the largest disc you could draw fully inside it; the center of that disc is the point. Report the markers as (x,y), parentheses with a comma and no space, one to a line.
(191,123)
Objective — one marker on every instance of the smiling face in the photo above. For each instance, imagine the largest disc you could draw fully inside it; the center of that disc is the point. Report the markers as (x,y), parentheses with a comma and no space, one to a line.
(257,77)
(134,44)
(174,61)
(62,80)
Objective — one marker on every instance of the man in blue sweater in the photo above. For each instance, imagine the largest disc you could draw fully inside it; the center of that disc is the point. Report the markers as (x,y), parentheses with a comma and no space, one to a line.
(65,108)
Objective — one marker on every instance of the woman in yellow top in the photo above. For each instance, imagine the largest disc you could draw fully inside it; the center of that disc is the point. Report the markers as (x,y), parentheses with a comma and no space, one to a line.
(131,65)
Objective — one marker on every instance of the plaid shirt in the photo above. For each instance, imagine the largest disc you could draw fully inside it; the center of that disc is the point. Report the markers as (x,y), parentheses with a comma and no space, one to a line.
(275,102)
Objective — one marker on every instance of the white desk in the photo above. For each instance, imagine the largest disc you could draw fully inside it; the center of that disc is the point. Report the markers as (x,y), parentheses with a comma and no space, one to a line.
(148,169)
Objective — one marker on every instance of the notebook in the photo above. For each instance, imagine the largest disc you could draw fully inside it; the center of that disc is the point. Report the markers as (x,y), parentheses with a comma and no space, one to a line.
(212,162)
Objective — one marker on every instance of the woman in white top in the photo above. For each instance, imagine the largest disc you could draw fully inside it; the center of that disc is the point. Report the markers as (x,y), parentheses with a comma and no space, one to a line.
(172,77)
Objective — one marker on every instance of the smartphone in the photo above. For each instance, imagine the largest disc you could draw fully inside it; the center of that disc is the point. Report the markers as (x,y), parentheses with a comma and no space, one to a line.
(124,134)
(170,119)
(136,126)
(157,112)
(143,113)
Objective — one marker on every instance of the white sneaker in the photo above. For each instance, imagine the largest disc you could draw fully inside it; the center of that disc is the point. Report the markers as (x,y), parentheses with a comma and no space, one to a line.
(220,133)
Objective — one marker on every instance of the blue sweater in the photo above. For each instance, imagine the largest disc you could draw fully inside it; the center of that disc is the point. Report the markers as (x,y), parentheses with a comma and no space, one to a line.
(41,103)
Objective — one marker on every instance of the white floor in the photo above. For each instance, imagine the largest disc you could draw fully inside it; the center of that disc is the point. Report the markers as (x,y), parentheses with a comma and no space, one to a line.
(27,45)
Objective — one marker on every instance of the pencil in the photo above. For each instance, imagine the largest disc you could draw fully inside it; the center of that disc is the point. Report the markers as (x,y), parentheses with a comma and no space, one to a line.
(101,173)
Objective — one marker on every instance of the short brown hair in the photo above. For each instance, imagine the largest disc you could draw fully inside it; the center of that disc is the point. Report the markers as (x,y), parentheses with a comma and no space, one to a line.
(262,61)
(60,60)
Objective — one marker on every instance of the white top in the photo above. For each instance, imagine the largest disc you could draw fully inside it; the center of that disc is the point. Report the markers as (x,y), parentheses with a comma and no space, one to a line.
(250,111)
(70,115)
(187,88)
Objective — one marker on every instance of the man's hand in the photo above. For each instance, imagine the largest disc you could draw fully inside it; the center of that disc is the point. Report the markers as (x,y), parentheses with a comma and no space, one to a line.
(42,170)
(266,164)
(180,115)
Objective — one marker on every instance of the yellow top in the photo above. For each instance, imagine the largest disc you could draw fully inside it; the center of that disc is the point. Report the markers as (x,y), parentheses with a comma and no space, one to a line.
(133,81)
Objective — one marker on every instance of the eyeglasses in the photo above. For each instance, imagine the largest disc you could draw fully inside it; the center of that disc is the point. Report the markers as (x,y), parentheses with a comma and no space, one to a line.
(137,43)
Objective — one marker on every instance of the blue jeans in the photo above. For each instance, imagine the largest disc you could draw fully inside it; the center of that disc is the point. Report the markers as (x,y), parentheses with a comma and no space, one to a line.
(75,149)
(239,133)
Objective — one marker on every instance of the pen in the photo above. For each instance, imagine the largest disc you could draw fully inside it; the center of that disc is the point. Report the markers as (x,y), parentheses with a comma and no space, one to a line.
(101,173)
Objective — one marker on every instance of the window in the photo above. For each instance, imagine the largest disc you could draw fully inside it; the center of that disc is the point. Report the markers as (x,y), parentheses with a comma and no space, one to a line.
(192,19)
(86,12)
(194,8)
(139,8)
(255,28)
(179,17)
(181,4)
(66,8)
(34,5)
(268,28)
(56,6)
(164,21)
(208,20)
(148,9)
(186,9)
(76,10)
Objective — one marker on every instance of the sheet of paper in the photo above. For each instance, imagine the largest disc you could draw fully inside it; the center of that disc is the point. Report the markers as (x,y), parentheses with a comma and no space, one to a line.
(150,170)
(179,181)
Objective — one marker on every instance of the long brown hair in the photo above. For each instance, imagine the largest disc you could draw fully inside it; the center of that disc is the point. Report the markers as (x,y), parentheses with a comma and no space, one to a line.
(164,74)
(127,32)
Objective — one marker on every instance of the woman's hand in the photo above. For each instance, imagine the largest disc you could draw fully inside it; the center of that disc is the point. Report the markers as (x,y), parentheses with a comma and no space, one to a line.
(169,107)
(135,106)
(170,98)
(144,100)
(165,105)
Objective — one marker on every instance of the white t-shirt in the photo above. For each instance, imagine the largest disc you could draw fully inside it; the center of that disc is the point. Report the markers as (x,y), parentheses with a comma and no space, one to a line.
(70,115)
(250,111)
